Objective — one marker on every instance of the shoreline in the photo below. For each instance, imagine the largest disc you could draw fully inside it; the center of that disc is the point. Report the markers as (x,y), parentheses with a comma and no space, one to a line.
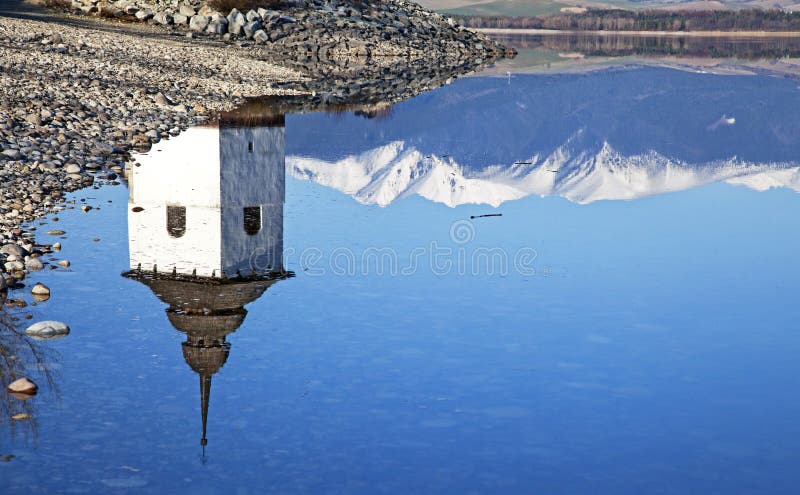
(676,34)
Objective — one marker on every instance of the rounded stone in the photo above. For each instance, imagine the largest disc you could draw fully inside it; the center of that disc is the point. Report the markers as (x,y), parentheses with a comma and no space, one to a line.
(47,330)
(40,290)
(34,265)
(23,386)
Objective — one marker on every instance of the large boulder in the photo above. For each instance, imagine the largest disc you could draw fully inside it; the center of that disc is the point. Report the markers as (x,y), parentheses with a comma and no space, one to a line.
(163,18)
(199,23)
(144,14)
(261,36)
(218,26)
(235,28)
(186,10)
(251,27)
(236,17)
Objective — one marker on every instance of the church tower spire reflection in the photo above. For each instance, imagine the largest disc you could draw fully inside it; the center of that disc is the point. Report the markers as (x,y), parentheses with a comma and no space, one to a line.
(205,231)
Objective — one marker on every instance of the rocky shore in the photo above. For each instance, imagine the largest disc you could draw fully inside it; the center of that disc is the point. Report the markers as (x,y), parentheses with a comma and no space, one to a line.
(81,92)
(310,28)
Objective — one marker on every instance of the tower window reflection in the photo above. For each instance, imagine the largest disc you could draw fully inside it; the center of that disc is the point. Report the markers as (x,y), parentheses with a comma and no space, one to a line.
(252,219)
(176,220)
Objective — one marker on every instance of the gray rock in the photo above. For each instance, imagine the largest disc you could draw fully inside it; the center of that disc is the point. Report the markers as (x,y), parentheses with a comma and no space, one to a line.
(162,100)
(218,26)
(180,19)
(13,266)
(47,330)
(12,154)
(72,169)
(251,27)
(261,36)
(186,10)
(235,28)
(163,18)
(13,250)
(252,15)
(198,23)
(237,17)
(34,265)
(144,14)
(111,11)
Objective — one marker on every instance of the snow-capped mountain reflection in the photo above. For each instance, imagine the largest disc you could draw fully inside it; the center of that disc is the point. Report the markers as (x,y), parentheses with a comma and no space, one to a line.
(394,171)
(613,135)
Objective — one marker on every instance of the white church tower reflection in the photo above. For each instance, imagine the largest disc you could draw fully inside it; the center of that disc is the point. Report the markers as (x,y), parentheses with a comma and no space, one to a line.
(205,230)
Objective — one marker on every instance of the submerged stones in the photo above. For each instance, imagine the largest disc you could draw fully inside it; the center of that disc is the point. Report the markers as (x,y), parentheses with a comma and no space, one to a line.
(47,330)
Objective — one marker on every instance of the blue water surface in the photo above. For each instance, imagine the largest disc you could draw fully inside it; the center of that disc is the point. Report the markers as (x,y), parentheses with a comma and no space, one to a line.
(649,346)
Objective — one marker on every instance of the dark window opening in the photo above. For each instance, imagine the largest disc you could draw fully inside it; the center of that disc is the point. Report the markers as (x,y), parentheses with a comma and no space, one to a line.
(250,146)
(176,220)
(252,219)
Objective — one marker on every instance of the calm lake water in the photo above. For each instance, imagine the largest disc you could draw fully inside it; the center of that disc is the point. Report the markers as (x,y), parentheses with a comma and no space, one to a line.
(628,325)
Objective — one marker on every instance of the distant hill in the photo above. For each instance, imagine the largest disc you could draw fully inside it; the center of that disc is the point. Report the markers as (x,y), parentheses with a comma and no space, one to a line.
(546,7)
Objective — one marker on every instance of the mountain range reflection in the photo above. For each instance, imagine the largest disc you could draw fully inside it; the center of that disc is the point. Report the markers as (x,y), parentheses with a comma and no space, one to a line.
(617,134)
(205,227)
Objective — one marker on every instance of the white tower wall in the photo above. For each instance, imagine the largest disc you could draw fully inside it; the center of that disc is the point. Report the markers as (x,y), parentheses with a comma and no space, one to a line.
(214,175)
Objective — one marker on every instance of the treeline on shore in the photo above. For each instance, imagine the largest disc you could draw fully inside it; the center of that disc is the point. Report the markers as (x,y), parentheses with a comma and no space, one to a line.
(621,45)
(647,20)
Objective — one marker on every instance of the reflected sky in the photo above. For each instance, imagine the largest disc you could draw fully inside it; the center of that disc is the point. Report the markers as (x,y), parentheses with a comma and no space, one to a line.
(651,349)
(613,134)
